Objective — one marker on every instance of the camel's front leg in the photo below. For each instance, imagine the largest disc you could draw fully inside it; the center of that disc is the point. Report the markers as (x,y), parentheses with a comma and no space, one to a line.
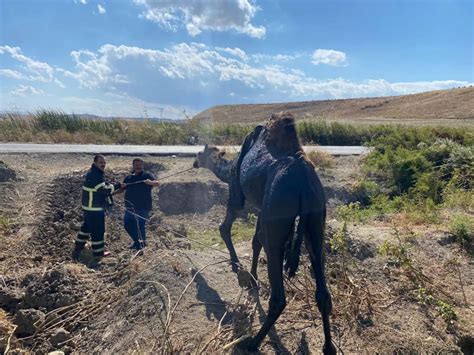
(225,230)
(277,299)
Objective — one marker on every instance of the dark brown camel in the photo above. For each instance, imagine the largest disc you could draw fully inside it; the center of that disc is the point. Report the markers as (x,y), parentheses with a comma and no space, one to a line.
(272,173)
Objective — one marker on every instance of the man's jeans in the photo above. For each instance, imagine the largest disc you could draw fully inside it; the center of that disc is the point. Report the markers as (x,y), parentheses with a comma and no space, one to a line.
(135,226)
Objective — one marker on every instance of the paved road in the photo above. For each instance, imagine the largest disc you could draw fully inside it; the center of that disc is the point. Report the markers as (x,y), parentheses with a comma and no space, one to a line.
(156,150)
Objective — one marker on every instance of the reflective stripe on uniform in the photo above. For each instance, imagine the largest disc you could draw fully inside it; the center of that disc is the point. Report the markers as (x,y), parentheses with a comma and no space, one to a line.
(95,251)
(82,241)
(86,208)
(98,186)
(91,191)
(95,188)
(110,187)
(84,233)
(98,243)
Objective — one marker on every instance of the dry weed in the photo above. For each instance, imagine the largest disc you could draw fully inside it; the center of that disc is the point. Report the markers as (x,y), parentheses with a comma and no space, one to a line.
(321,159)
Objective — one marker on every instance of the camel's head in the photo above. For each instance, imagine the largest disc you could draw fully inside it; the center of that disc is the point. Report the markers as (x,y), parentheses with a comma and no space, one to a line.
(282,132)
(208,157)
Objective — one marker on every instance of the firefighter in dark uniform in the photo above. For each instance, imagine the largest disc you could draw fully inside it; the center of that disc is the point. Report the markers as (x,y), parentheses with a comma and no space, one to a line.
(96,197)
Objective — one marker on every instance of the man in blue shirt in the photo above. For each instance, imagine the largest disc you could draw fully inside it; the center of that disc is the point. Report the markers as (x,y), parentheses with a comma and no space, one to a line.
(138,202)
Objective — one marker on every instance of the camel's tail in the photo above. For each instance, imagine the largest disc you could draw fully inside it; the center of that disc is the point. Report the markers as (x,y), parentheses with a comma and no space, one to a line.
(293,249)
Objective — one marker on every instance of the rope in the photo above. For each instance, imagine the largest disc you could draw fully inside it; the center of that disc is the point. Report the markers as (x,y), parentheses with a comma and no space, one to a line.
(170,229)
(131,210)
(177,173)
(161,178)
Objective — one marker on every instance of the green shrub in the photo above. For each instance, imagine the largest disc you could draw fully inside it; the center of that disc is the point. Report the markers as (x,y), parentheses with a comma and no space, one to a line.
(5,224)
(446,311)
(397,253)
(365,190)
(461,199)
(462,228)
(425,175)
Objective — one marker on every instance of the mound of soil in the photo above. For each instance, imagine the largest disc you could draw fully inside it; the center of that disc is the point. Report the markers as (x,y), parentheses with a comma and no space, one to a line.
(6,173)
(61,219)
(191,197)
(153,167)
(57,287)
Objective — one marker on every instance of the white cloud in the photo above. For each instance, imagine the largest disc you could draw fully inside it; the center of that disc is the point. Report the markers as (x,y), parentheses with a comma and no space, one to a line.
(223,71)
(283,57)
(260,57)
(202,15)
(24,91)
(13,74)
(101,9)
(127,80)
(30,69)
(329,57)
(234,51)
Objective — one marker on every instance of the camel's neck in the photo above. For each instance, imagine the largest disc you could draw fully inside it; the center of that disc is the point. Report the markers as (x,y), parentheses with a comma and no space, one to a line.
(222,168)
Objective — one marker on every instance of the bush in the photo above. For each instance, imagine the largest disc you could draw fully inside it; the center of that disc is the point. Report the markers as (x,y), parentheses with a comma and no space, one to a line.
(424,171)
(462,228)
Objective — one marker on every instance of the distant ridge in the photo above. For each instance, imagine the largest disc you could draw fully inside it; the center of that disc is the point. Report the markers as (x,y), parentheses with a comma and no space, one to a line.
(442,106)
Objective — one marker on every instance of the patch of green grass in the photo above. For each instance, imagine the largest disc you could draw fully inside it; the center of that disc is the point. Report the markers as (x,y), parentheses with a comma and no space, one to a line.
(398,253)
(462,228)
(5,224)
(241,231)
(459,199)
(424,297)
(445,310)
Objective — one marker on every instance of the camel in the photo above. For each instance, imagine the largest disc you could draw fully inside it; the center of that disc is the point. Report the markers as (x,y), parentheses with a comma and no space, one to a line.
(273,174)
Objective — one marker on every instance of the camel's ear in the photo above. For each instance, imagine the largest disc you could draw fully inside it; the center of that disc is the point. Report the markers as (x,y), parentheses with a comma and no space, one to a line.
(221,154)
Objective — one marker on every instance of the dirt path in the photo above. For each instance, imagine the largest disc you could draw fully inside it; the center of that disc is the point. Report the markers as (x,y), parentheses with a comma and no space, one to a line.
(159,301)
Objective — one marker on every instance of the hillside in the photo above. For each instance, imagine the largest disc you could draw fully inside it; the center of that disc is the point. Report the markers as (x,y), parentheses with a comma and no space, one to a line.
(443,107)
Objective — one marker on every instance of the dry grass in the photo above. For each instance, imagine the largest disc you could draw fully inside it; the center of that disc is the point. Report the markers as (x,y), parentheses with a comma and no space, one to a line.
(321,159)
(6,330)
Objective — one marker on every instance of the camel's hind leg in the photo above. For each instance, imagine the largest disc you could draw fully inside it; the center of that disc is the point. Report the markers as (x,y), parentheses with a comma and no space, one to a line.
(314,245)
(225,230)
(256,248)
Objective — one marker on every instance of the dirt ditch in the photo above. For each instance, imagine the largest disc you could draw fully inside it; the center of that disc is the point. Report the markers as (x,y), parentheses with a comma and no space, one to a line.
(173,298)
(191,197)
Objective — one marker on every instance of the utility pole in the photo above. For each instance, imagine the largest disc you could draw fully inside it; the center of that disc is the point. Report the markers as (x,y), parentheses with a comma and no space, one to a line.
(185,115)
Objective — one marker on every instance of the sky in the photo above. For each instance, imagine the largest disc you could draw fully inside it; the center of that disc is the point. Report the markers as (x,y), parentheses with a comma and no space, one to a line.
(175,58)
